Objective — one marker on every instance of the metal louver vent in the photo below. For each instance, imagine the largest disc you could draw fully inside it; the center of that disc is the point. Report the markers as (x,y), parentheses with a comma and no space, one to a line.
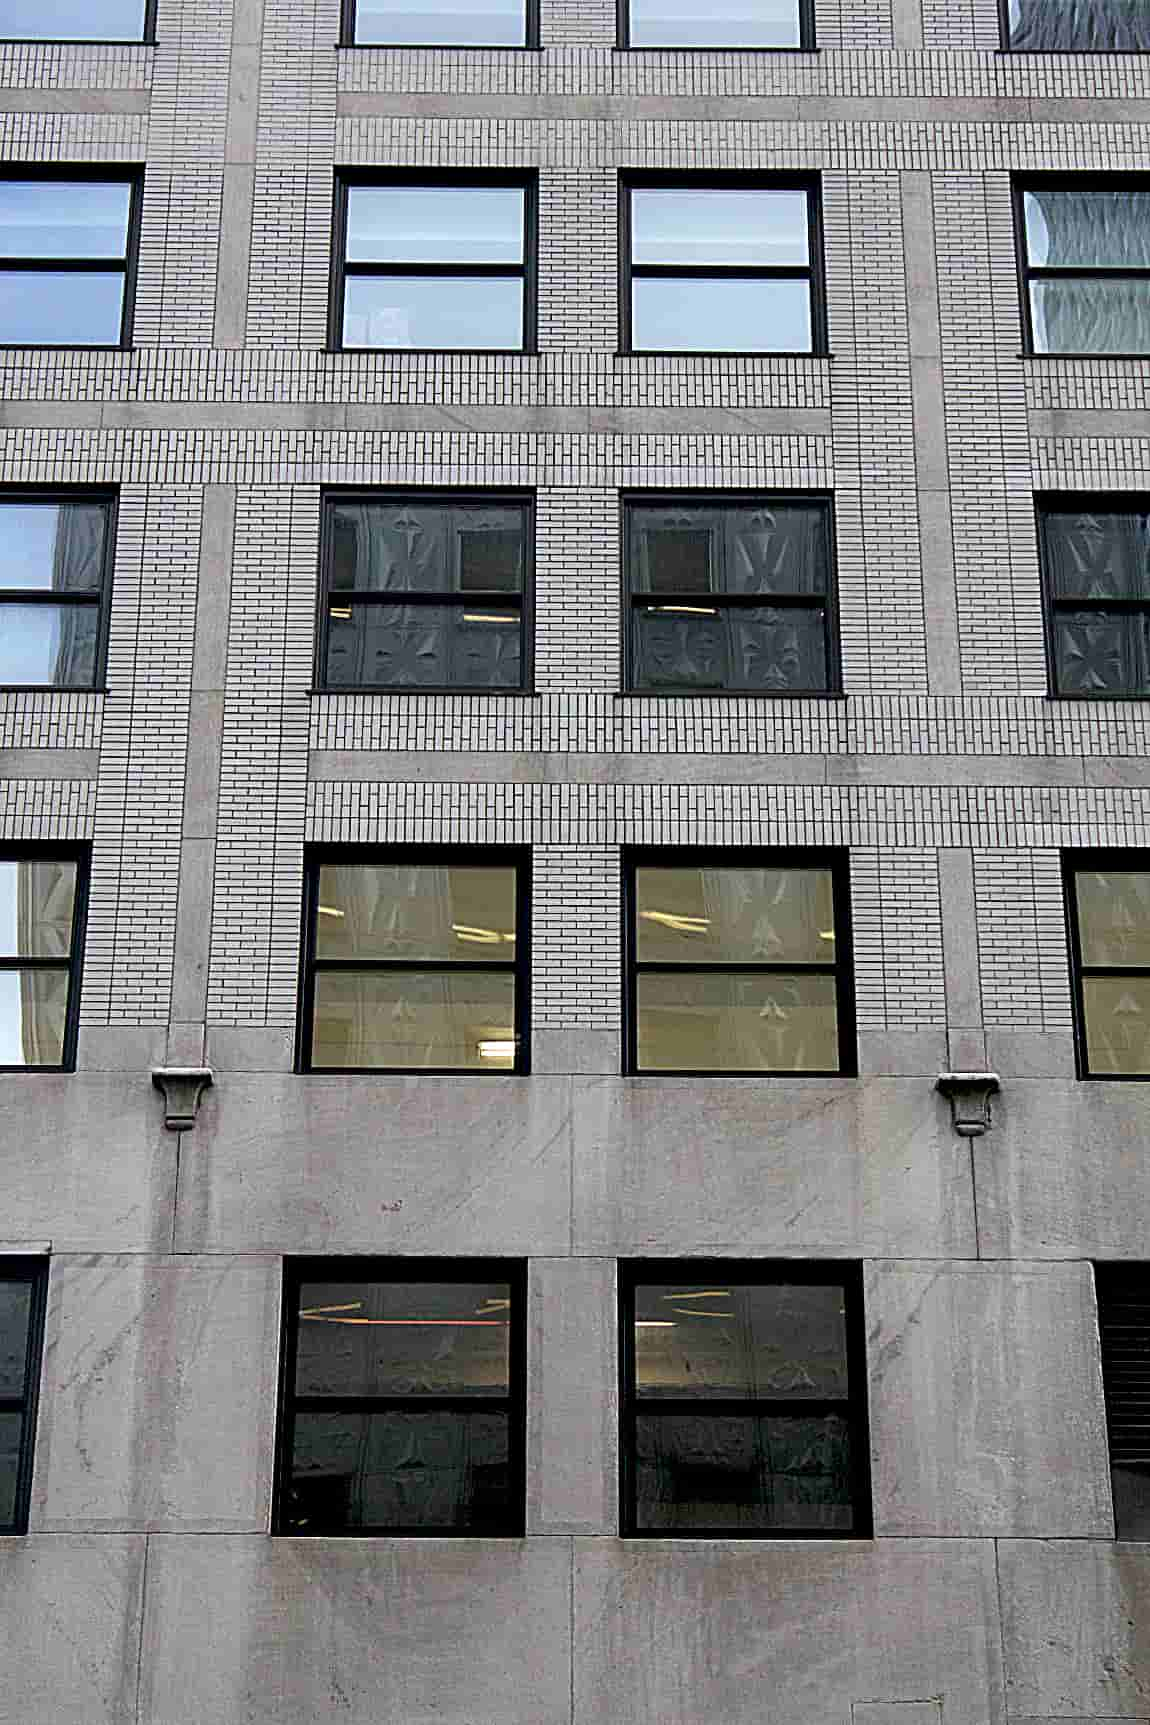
(1124,1317)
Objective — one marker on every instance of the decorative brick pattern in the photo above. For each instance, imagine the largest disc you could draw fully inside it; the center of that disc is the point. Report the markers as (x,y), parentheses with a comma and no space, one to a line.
(1022,952)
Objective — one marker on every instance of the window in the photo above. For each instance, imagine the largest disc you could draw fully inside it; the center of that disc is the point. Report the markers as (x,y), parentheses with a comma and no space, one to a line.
(404,1397)
(23,1285)
(1124,1327)
(1076,26)
(67,258)
(55,569)
(721,265)
(425,591)
(739,962)
(440,24)
(77,21)
(417,962)
(744,1399)
(733,24)
(435,264)
(1095,555)
(1085,247)
(1108,904)
(730,595)
(42,901)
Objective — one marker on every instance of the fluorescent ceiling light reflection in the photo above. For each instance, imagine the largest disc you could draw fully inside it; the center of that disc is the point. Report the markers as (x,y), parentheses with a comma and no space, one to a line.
(679,924)
(329,910)
(497,1049)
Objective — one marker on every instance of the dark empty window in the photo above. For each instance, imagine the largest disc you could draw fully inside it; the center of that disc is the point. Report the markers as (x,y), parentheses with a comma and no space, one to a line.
(436,266)
(1086,266)
(403,1397)
(55,564)
(77,20)
(440,23)
(1096,563)
(1124,1323)
(1077,26)
(730,595)
(730,24)
(425,592)
(722,266)
(41,932)
(416,962)
(1108,899)
(739,962)
(744,1399)
(23,1283)
(67,245)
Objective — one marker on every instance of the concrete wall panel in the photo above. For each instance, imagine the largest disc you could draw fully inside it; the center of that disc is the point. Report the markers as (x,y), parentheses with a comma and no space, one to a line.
(71,1614)
(363,1631)
(572,1402)
(782,1633)
(158,1394)
(1076,1628)
(986,1400)
(775,1165)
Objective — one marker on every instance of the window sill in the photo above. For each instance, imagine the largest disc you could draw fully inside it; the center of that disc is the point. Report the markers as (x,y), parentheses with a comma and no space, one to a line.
(729,695)
(710,48)
(52,689)
(77,42)
(722,1072)
(1096,358)
(439,47)
(487,694)
(438,352)
(713,353)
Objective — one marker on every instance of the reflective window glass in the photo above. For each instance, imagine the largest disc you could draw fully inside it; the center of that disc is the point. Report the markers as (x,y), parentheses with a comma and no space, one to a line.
(435,224)
(64,218)
(1078,26)
(22,1288)
(39,959)
(415,966)
(744,229)
(442,23)
(1087,267)
(406,1398)
(738,969)
(73,20)
(65,248)
(1110,911)
(54,566)
(733,24)
(742,1410)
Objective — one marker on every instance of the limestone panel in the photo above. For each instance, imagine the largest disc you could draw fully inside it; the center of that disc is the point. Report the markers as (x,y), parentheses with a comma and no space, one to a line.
(427,1632)
(774,1633)
(572,1417)
(1076,1628)
(986,1400)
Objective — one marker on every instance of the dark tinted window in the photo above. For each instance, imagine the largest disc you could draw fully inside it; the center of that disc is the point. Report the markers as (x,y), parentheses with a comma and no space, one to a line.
(404,1395)
(1096,563)
(1124,1322)
(734,597)
(425,593)
(744,1406)
(22,1287)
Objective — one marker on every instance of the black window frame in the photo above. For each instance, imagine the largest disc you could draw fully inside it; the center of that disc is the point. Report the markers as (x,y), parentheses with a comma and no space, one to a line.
(299,1269)
(1027,272)
(147,40)
(34,1271)
(517,857)
(36,850)
(108,497)
(1130,861)
(835,860)
(688,180)
(509,497)
(530,44)
(631,600)
(523,179)
(1046,504)
(1125,1382)
(759,1272)
(1006,46)
(102,173)
(806,44)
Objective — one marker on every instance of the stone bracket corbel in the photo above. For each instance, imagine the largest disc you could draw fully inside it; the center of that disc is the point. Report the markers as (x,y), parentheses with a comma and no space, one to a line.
(969,1096)
(182,1087)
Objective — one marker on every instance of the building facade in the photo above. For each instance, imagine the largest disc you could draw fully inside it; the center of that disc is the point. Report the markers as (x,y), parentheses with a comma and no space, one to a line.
(284,308)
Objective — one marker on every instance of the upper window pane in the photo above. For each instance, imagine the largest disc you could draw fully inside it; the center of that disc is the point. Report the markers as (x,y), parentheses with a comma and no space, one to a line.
(15,1310)
(73,20)
(64,218)
(411,547)
(732,24)
(737,228)
(1098,554)
(1089,229)
(776,1340)
(52,547)
(1114,918)
(1079,26)
(734,916)
(37,905)
(405,911)
(403,1338)
(435,224)
(440,23)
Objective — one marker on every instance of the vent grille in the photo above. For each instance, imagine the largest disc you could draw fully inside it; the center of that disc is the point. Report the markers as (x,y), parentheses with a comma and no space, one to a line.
(1124,1322)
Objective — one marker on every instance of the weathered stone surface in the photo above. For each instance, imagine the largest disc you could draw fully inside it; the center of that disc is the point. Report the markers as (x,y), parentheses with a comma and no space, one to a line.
(1076,1629)
(573,1456)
